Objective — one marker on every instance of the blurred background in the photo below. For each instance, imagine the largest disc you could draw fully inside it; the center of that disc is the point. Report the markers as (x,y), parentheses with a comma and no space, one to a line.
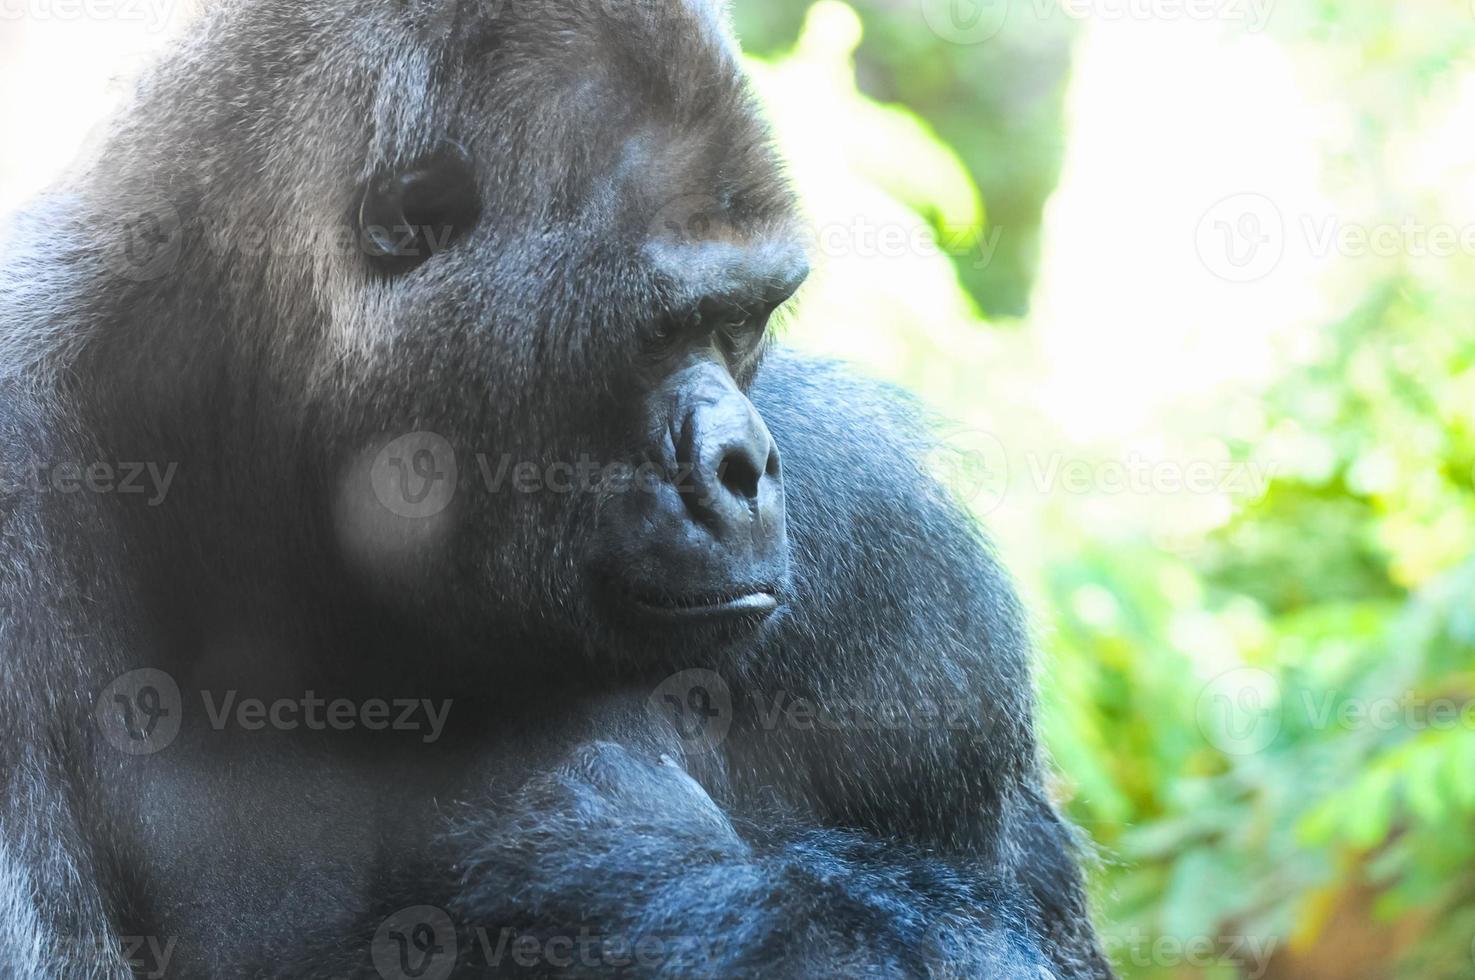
(1194,281)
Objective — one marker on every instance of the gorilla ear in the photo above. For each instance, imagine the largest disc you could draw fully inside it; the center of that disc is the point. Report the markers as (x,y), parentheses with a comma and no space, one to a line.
(409,215)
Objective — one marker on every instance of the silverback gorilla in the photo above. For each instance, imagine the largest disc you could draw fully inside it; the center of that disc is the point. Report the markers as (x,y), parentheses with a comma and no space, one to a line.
(471,623)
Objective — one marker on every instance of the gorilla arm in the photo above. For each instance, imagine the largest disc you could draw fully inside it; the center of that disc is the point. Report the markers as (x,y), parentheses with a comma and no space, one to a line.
(636,850)
(614,861)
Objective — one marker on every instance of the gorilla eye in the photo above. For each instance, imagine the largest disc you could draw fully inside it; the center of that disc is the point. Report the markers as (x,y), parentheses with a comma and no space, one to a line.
(732,321)
(409,215)
(741,336)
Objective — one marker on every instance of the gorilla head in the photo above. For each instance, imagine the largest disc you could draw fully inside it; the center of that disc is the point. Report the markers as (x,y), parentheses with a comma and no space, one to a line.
(568,233)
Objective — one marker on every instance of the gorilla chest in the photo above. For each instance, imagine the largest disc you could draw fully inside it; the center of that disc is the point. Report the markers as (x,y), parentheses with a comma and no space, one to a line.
(276,832)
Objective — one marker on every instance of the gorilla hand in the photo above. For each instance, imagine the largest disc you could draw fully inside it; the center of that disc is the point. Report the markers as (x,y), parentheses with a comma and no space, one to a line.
(628,866)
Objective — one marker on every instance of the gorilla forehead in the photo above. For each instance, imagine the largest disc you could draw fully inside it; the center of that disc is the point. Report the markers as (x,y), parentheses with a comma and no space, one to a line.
(584,83)
(532,74)
(676,57)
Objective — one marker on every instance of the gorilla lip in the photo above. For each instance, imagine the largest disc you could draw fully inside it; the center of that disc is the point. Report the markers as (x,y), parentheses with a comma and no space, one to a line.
(760,602)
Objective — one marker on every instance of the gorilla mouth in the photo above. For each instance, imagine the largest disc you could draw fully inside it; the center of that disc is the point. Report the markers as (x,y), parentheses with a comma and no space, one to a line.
(756,603)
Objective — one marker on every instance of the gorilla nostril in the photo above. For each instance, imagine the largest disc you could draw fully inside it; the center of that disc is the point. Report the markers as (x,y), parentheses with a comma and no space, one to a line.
(773,464)
(739,474)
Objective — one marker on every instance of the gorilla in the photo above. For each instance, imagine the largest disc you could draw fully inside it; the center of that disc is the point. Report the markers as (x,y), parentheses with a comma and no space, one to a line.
(416,560)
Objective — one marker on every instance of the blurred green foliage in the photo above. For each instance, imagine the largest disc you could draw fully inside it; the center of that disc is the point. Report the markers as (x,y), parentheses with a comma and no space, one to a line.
(1266,724)
(997,106)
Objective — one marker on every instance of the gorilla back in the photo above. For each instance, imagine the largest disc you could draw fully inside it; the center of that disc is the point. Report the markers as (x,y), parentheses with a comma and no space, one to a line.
(393,431)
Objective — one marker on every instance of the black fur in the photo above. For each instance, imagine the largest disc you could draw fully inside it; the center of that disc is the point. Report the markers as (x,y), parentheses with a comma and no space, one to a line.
(266,368)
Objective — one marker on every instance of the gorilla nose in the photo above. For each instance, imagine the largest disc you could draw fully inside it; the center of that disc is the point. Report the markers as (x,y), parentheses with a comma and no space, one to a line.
(731,481)
(706,545)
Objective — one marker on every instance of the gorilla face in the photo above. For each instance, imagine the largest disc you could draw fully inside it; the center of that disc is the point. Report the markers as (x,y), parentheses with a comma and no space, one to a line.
(569,280)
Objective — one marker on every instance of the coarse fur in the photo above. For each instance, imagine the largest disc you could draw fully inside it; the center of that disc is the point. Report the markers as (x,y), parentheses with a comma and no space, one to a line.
(244,349)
